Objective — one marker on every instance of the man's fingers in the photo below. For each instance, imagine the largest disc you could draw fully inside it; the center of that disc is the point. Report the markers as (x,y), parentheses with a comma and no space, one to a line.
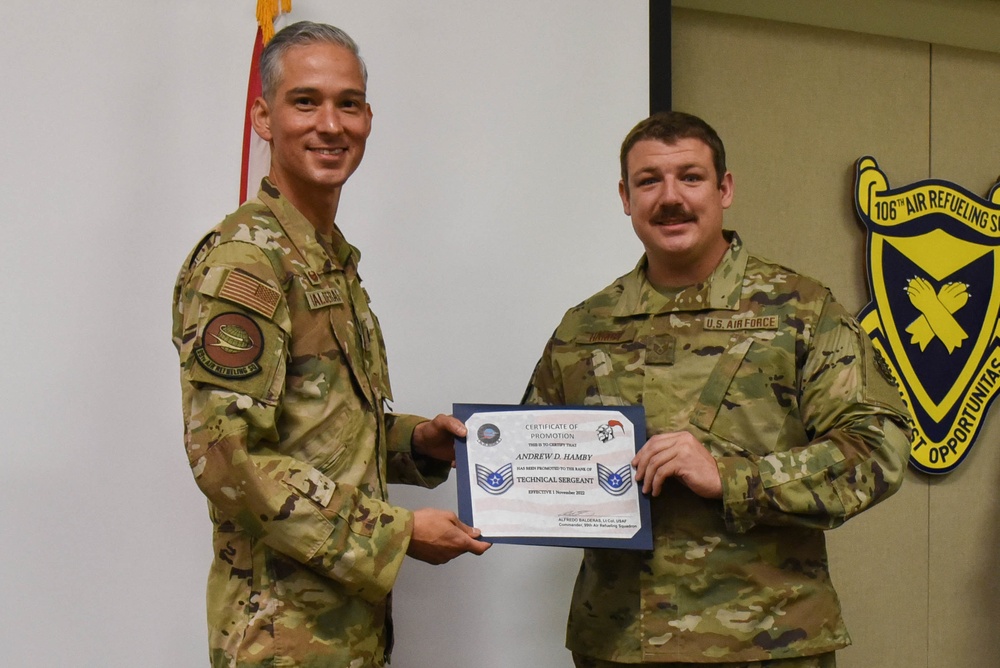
(647,452)
(472,531)
(451,424)
(658,467)
(470,542)
(477,547)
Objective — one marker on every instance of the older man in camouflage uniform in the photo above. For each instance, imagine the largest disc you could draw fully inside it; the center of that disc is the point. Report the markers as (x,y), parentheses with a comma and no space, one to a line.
(284,380)
(771,420)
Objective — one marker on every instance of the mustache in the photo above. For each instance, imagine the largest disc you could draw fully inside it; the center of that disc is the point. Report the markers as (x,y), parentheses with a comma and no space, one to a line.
(674,213)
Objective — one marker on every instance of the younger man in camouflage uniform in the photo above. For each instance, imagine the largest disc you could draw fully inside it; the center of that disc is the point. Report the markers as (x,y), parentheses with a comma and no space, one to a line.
(770,421)
(284,380)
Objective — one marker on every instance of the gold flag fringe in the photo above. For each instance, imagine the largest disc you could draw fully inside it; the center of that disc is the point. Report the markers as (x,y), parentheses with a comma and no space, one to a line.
(267,12)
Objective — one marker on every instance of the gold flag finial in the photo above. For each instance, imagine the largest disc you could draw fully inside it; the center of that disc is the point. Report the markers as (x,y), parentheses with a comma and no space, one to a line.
(267,12)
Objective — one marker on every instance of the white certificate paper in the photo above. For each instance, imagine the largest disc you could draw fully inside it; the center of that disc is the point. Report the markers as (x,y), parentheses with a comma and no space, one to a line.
(553,475)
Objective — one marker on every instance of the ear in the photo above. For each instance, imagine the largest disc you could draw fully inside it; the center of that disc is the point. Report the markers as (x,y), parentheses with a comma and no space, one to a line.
(260,118)
(623,193)
(726,190)
(369,115)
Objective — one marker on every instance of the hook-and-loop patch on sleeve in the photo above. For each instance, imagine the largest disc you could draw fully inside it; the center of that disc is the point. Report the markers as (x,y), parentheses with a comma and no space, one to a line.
(238,346)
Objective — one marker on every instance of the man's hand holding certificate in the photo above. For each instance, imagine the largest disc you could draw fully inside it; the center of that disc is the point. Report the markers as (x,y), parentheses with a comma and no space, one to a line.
(553,475)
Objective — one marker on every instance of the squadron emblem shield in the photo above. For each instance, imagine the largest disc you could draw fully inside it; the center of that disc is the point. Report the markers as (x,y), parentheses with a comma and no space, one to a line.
(933,257)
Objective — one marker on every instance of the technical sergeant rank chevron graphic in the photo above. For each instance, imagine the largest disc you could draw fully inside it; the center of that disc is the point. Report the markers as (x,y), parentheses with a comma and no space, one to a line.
(933,258)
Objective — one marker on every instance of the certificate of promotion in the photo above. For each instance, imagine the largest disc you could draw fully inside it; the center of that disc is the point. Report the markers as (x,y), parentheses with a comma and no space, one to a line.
(553,475)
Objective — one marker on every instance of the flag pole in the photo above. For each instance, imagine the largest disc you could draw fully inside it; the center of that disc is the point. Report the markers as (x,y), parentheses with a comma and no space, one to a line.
(256,153)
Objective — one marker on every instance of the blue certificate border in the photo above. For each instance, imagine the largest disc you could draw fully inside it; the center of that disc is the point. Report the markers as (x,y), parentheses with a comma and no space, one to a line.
(643,538)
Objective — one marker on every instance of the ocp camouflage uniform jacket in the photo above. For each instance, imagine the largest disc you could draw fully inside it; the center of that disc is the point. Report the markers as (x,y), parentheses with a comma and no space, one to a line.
(779,383)
(284,377)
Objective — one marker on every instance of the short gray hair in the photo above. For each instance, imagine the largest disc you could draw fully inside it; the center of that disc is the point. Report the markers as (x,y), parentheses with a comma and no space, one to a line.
(300,34)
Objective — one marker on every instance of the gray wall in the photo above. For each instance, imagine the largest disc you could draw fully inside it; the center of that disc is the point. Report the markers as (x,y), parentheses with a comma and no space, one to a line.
(486,206)
(797,105)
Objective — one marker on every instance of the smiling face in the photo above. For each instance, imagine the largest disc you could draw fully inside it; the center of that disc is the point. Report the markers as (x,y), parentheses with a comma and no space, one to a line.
(676,202)
(317,123)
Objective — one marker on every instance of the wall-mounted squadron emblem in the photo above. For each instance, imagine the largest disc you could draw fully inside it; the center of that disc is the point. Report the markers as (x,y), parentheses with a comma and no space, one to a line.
(933,259)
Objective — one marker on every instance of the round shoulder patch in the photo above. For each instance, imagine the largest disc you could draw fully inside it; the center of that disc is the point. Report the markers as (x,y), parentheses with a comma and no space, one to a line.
(230,347)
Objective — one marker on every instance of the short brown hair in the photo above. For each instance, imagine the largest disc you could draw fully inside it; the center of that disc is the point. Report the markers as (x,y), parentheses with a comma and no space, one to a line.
(668,127)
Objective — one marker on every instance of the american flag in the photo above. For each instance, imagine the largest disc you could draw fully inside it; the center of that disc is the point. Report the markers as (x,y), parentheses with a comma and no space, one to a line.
(250,292)
(256,152)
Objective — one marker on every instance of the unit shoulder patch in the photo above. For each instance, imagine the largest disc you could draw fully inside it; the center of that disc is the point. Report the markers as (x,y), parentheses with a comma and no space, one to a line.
(230,347)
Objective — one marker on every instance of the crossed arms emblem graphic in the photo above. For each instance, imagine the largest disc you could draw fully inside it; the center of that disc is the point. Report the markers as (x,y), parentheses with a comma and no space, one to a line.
(936,319)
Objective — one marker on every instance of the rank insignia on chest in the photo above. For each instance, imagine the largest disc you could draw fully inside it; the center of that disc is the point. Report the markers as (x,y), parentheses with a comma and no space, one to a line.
(660,349)
(324,297)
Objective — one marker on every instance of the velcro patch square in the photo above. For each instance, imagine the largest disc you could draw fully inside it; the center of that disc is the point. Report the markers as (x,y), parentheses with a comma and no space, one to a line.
(250,292)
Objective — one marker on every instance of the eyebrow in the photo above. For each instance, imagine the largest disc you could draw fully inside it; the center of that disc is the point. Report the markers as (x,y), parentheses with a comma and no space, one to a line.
(651,169)
(310,90)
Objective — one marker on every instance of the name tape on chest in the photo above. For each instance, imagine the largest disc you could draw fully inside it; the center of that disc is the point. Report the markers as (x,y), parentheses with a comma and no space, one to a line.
(742,323)
(607,336)
(323,297)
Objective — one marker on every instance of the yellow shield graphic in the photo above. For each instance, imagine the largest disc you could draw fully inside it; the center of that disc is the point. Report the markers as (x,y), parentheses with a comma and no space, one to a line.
(933,260)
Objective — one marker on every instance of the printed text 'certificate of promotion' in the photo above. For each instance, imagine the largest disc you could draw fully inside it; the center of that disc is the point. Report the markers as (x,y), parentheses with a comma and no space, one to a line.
(553,475)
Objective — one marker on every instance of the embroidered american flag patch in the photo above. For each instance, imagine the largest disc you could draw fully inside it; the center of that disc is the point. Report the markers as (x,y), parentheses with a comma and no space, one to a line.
(250,292)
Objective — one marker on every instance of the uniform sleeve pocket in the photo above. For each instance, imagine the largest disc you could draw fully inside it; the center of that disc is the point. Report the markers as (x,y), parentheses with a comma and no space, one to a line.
(310,483)
(344,502)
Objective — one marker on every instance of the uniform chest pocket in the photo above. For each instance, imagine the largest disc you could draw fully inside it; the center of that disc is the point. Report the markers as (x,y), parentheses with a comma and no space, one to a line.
(381,373)
(749,404)
(606,370)
(343,305)
(317,353)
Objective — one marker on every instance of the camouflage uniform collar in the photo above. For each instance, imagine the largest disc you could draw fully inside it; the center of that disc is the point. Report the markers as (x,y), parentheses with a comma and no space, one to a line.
(303,235)
(721,291)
